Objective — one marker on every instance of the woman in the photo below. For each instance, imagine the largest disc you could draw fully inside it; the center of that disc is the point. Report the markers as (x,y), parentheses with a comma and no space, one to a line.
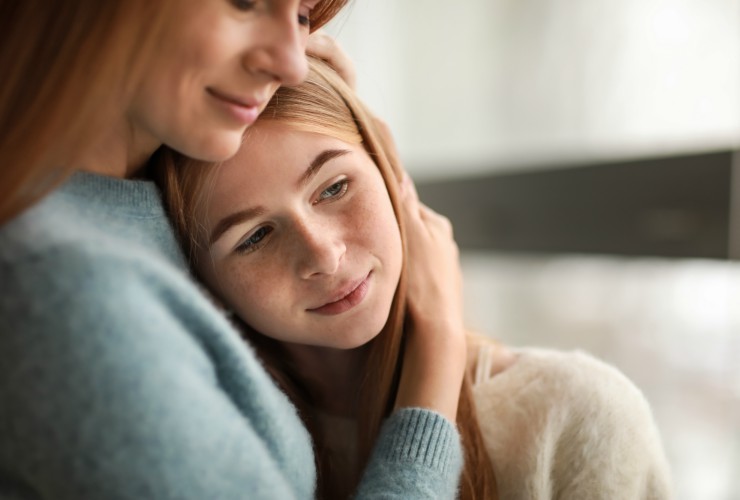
(119,379)
(301,235)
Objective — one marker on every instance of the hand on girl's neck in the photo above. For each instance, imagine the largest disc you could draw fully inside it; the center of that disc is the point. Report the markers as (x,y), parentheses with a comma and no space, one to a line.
(331,376)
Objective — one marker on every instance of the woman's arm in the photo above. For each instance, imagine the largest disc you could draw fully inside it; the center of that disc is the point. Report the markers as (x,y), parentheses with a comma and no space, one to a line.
(436,348)
(106,392)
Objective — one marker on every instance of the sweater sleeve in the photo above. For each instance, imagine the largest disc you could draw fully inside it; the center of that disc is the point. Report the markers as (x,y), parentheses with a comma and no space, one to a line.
(105,395)
(418,456)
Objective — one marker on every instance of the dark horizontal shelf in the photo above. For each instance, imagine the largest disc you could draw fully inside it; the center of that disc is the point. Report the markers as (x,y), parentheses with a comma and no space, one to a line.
(676,206)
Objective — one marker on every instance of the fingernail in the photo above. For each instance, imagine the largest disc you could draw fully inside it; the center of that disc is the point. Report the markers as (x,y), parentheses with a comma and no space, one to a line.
(405,181)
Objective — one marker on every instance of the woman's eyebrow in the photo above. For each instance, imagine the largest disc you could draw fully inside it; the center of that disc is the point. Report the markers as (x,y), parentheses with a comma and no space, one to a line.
(233,219)
(319,161)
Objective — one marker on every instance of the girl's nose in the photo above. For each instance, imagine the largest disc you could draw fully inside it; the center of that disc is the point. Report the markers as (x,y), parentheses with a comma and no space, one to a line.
(320,251)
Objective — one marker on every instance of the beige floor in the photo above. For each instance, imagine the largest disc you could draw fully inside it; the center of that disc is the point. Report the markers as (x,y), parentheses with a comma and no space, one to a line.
(673,326)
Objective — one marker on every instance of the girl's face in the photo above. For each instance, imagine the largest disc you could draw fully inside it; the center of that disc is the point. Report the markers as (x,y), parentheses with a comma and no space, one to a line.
(215,71)
(304,243)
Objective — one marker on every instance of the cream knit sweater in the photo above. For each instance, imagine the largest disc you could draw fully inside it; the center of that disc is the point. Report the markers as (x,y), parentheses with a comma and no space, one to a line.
(556,424)
(563,425)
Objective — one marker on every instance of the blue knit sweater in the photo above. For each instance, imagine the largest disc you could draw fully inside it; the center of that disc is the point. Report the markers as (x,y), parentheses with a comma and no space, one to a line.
(119,379)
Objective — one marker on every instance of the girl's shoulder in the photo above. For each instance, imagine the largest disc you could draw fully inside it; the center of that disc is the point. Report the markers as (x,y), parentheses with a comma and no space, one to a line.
(487,357)
(561,370)
(566,421)
(572,380)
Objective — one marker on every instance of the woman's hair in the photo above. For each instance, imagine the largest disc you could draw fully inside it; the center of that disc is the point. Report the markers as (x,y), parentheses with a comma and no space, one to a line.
(323,104)
(67,68)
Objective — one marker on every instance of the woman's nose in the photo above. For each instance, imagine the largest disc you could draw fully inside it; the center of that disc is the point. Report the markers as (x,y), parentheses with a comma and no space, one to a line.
(281,50)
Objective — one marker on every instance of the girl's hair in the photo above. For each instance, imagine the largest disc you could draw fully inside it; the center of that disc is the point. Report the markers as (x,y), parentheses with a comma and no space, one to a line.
(67,67)
(324,104)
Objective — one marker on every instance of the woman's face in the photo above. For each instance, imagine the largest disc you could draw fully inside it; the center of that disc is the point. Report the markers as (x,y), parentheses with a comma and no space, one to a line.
(215,71)
(305,246)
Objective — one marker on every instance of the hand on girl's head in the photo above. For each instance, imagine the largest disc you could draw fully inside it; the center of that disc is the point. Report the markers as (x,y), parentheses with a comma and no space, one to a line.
(326,48)
(407,188)
(433,264)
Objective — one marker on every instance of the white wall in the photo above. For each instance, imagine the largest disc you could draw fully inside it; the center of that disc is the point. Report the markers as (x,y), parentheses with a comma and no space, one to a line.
(500,84)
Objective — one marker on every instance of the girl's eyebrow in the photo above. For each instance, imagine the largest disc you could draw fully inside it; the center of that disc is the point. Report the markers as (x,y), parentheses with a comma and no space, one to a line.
(233,219)
(319,161)
(230,220)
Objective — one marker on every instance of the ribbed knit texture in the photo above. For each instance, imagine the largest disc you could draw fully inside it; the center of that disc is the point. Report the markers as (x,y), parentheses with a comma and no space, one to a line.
(414,438)
(421,436)
(120,380)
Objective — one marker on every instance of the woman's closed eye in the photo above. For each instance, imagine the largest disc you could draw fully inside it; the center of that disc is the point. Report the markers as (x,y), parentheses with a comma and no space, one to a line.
(244,5)
(304,13)
(335,191)
(304,16)
(254,241)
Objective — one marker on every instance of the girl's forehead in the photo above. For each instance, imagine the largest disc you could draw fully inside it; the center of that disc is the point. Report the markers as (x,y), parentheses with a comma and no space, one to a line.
(285,133)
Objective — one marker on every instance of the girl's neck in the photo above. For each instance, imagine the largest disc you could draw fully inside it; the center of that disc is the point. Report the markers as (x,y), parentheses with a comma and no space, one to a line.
(123,153)
(332,377)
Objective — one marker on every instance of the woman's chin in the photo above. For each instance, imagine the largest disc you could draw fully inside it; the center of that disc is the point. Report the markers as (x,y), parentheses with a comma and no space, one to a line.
(215,148)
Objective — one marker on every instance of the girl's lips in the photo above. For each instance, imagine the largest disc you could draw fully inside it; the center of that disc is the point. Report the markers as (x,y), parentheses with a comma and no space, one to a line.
(244,111)
(355,295)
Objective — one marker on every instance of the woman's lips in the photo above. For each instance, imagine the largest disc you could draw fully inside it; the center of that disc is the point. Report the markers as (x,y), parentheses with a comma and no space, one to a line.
(244,111)
(349,299)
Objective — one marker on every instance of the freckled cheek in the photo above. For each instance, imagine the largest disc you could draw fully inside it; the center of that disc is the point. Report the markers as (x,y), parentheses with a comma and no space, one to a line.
(257,291)
(381,233)
(374,216)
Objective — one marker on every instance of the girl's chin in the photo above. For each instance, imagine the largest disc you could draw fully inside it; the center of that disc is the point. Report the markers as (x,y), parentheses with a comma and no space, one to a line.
(355,342)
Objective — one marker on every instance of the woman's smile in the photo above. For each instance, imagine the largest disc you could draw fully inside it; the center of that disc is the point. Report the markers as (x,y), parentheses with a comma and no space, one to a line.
(243,109)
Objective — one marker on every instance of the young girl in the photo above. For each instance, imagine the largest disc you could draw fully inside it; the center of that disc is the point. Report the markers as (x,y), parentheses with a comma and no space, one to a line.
(119,379)
(301,236)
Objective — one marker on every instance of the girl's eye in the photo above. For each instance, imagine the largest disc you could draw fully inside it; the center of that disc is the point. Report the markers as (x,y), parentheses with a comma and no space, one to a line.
(254,241)
(336,190)
(244,5)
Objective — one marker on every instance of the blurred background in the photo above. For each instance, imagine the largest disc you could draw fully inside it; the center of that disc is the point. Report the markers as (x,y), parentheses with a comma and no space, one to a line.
(587,152)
